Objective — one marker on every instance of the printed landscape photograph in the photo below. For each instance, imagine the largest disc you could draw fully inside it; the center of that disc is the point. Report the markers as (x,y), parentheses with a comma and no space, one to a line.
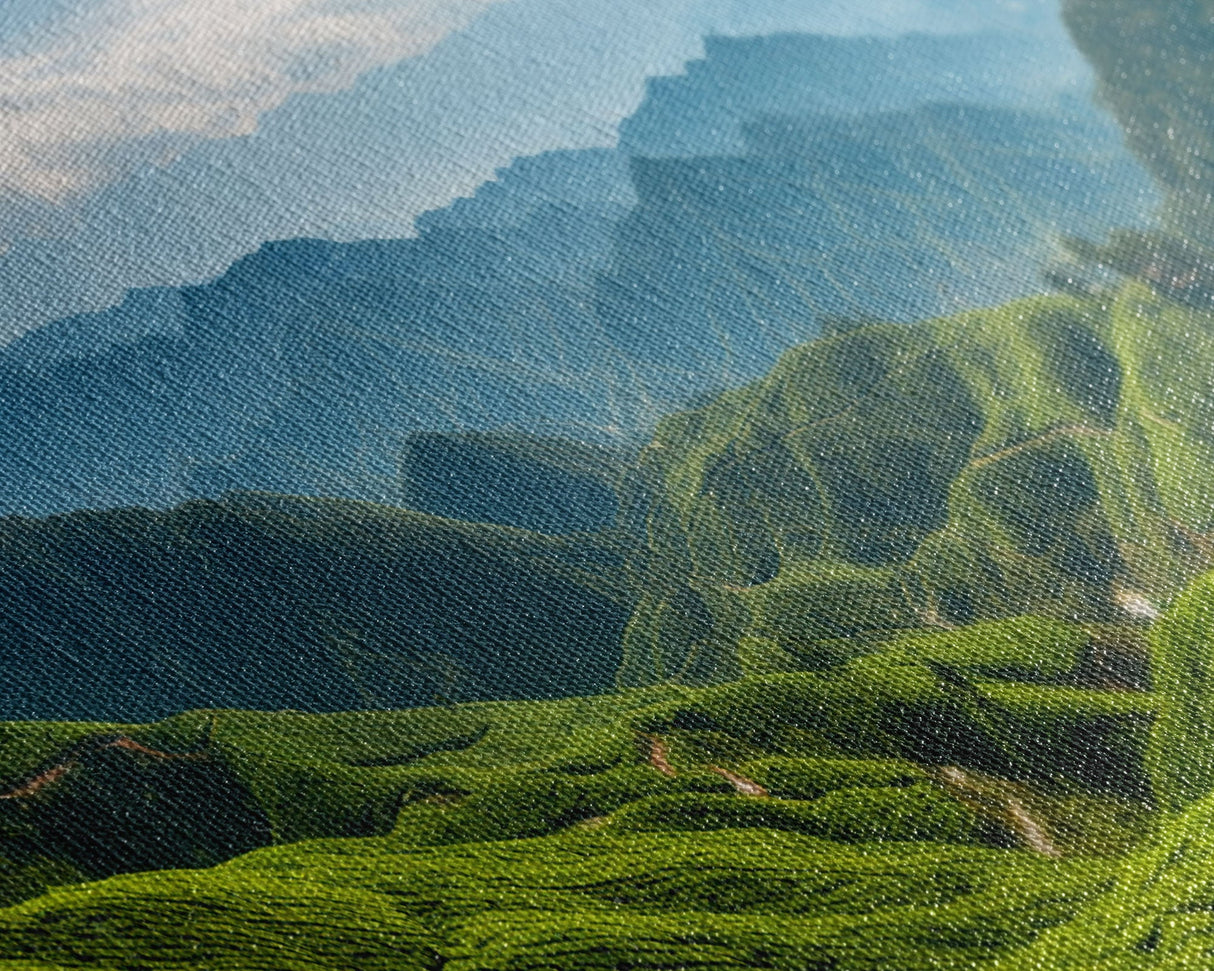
(637,485)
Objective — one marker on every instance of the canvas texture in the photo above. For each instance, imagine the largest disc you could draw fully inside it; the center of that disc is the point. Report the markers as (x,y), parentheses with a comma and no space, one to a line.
(569,484)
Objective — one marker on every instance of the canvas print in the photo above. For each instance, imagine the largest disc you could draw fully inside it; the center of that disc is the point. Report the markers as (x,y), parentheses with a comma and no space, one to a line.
(569,484)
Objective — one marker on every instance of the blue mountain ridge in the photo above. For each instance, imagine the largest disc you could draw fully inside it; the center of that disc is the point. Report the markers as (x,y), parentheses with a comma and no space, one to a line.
(705,110)
(582,294)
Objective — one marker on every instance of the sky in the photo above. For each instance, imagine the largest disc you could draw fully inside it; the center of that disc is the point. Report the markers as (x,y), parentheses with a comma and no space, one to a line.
(153,142)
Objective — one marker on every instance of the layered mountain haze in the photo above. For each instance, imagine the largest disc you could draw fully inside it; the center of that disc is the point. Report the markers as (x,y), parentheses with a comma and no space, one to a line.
(550,485)
(784,539)
(705,109)
(1058,466)
(728,260)
(583,294)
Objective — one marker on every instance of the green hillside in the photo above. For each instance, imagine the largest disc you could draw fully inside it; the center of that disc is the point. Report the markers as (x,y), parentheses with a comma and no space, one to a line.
(266,601)
(909,650)
(921,807)
(866,815)
(1052,456)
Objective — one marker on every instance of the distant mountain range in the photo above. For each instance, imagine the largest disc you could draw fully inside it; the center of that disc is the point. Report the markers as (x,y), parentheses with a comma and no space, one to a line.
(581,295)
(1050,456)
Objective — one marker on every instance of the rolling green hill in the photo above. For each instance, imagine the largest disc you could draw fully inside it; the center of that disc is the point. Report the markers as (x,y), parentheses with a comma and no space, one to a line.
(265,601)
(856,817)
(1051,456)
(807,820)
(891,689)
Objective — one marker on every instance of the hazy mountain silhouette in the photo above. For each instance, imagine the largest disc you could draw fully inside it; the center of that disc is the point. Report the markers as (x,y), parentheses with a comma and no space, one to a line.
(580,295)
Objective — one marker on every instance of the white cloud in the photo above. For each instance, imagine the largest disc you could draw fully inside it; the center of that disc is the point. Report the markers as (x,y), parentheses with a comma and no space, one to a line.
(141,80)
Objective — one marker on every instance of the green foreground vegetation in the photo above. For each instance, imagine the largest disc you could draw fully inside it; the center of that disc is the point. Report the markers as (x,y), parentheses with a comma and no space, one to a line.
(1059,464)
(886,696)
(915,807)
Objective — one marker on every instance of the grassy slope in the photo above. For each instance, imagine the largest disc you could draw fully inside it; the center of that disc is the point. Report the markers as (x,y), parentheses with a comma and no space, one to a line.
(1157,915)
(263,601)
(936,796)
(940,698)
(1057,461)
(734,898)
(553,834)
